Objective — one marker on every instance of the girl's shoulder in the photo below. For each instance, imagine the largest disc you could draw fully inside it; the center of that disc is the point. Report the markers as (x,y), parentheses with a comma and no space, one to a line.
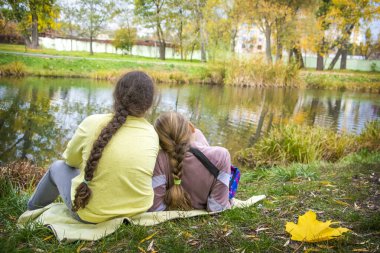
(97,119)
(219,156)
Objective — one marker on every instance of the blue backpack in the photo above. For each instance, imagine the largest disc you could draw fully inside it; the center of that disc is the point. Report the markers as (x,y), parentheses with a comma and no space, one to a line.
(235,172)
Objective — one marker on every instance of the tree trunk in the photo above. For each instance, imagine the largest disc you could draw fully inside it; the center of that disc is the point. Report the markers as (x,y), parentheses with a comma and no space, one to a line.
(91,51)
(162,49)
(290,55)
(161,40)
(203,41)
(233,40)
(268,49)
(343,60)
(28,42)
(34,30)
(341,50)
(192,52)
(279,51)
(181,36)
(299,58)
(319,61)
(203,52)
(336,58)
(279,47)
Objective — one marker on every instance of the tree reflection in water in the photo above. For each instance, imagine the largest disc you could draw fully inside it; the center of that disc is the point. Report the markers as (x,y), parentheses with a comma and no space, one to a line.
(39,116)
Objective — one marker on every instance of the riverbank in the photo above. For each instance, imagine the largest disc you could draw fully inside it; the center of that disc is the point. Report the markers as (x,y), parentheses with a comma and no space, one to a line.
(52,63)
(345,191)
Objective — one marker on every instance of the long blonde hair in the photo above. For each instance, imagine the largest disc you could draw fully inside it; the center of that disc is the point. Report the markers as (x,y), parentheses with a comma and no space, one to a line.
(174,132)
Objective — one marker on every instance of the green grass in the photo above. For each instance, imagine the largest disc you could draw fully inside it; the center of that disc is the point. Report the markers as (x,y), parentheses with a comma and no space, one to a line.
(98,69)
(289,143)
(21,49)
(345,191)
(252,73)
(343,80)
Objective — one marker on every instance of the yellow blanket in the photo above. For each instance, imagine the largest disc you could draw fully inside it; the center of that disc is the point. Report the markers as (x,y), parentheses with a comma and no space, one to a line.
(57,217)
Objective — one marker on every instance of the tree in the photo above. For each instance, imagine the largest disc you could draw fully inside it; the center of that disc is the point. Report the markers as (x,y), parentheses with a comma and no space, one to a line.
(289,26)
(92,15)
(323,25)
(264,13)
(218,29)
(154,14)
(222,24)
(181,14)
(125,39)
(370,46)
(68,21)
(199,16)
(346,15)
(32,16)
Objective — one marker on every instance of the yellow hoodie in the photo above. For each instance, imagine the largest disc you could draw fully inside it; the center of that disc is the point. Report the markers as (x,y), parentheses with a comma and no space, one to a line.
(122,182)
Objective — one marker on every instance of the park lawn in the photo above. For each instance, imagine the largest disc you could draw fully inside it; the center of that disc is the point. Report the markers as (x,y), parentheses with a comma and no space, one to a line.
(100,68)
(107,66)
(21,49)
(345,191)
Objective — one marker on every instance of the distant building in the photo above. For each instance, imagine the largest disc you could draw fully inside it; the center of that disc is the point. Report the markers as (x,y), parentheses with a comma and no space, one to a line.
(249,40)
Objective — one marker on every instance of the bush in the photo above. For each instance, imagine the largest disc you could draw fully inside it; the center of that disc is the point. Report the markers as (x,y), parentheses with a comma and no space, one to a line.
(370,137)
(13,69)
(256,72)
(297,143)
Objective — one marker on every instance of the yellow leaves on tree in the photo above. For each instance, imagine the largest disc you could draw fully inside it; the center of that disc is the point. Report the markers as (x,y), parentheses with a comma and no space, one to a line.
(309,229)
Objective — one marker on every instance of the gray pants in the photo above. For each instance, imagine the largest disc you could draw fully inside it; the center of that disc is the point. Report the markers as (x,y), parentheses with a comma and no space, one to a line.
(56,181)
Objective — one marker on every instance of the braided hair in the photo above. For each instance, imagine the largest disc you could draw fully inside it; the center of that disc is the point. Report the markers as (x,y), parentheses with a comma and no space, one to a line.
(133,95)
(174,133)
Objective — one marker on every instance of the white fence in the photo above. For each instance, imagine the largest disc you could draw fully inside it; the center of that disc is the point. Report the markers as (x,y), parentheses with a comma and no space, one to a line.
(61,44)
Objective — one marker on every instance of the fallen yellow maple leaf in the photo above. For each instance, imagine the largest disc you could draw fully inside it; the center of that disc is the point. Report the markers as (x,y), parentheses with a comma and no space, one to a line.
(309,229)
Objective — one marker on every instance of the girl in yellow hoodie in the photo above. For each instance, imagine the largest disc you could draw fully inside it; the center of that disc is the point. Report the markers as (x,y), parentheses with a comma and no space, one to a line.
(108,164)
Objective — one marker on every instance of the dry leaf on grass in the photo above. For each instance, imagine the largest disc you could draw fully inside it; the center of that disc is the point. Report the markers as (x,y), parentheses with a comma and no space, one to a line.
(309,229)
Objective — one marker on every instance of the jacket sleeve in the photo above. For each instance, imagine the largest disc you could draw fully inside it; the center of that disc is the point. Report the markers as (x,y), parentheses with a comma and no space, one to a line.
(218,199)
(160,182)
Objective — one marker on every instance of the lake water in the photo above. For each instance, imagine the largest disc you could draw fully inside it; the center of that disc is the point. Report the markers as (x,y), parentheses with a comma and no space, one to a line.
(38,116)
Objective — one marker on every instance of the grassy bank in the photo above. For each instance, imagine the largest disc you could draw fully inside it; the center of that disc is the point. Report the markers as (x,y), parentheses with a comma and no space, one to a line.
(291,143)
(345,191)
(105,66)
(102,66)
(336,176)
(18,65)
(342,80)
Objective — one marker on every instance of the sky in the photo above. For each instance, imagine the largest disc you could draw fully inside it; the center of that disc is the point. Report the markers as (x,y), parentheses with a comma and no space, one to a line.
(141,31)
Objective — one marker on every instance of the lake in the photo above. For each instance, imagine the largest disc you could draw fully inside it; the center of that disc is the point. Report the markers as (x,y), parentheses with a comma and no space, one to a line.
(39,115)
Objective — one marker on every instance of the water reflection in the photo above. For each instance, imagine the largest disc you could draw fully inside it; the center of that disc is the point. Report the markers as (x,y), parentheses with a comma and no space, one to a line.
(38,116)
